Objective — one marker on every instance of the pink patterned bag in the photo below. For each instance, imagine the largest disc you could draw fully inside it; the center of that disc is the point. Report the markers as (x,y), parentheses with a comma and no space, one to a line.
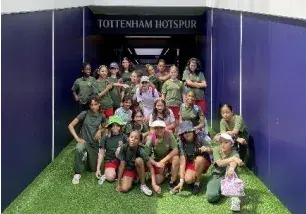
(232,187)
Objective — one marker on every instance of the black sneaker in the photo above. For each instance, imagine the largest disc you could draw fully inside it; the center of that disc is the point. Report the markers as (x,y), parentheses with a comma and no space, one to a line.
(196,189)
(172,185)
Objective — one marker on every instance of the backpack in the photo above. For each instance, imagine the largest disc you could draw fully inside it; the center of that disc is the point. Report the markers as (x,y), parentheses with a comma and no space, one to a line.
(152,91)
(195,108)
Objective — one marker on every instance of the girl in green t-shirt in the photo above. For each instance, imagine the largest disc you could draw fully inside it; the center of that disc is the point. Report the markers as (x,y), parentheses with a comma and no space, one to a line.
(172,92)
(137,124)
(194,80)
(234,125)
(115,92)
(133,160)
(109,148)
(102,88)
(162,148)
(194,157)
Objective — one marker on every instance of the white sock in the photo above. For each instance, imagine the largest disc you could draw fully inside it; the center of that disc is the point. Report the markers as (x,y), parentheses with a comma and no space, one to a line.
(197,183)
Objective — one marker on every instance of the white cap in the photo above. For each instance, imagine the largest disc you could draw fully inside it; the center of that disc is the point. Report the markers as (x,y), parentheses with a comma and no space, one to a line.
(158,123)
(227,137)
(144,79)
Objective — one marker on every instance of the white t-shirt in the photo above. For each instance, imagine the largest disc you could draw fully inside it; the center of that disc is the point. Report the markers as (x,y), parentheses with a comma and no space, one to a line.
(147,100)
(168,120)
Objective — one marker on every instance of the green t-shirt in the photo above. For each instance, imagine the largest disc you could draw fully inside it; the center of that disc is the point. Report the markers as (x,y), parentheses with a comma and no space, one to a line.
(199,92)
(192,113)
(131,92)
(162,148)
(83,87)
(129,127)
(110,144)
(153,79)
(173,91)
(191,151)
(91,123)
(220,170)
(115,93)
(126,78)
(105,101)
(129,155)
(236,123)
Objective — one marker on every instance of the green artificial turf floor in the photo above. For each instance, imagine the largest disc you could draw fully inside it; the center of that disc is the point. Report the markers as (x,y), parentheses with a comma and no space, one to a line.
(52,192)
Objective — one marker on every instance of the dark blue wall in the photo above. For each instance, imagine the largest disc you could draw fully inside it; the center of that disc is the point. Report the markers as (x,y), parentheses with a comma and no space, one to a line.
(273,95)
(68,61)
(91,39)
(26,100)
(206,57)
(226,41)
(274,104)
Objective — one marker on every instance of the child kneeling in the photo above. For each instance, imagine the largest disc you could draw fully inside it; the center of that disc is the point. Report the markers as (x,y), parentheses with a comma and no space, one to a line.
(132,164)
(194,157)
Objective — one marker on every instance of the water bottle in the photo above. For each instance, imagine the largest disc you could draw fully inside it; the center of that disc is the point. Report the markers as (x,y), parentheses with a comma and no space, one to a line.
(101,180)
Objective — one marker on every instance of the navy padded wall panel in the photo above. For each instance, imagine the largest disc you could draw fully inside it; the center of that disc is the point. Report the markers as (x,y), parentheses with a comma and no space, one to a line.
(68,61)
(26,100)
(255,90)
(206,55)
(287,114)
(226,43)
(91,39)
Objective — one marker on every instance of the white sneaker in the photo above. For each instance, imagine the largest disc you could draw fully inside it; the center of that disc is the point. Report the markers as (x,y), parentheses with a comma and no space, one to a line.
(76,179)
(145,189)
(235,206)
(101,180)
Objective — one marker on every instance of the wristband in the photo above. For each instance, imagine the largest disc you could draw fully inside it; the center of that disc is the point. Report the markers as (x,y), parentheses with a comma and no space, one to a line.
(181,180)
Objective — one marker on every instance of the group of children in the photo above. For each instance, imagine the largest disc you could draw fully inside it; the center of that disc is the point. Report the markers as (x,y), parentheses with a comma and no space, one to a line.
(155,123)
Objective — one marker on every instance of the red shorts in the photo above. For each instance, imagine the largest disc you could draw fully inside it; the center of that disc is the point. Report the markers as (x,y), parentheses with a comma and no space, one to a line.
(176,111)
(130,173)
(202,104)
(107,112)
(112,164)
(158,170)
(190,165)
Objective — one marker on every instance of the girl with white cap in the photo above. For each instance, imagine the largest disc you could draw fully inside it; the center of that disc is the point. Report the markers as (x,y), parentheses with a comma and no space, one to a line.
(226,161)
(162,148)
(146,95)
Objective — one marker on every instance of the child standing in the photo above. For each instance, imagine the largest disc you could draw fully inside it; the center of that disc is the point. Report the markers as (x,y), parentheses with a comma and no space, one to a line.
(194,157)
(133,159)
(226,162)
(82,88)
(109,147)
(172,92)
(152,78)
(127,68)
(87,146)
(194,80)
(131,90)
(102,88)
(162,74)
(146,96)
(162,145)
(115,92)
(125,112)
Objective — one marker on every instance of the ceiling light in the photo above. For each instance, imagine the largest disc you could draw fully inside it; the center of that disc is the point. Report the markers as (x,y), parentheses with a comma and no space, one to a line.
(148,37)
(148,51)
